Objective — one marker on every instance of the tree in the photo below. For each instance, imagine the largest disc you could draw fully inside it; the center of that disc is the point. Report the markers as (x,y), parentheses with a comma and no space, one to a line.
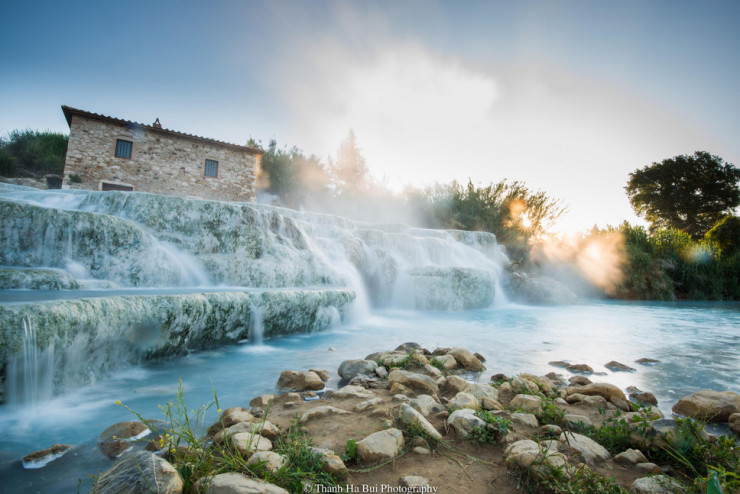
(33,153)
(689,193)
(350,173)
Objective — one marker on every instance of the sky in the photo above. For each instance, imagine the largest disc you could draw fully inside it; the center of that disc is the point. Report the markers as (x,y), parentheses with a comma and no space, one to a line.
(566,96)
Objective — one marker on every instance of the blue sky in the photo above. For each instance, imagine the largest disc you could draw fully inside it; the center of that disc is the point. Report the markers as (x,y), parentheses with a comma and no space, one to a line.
(569,96)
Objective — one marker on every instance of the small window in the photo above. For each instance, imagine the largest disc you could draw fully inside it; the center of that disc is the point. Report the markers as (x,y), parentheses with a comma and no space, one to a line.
(123,148)
(211,168)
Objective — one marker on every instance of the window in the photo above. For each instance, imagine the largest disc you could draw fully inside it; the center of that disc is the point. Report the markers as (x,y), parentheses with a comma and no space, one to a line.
(123,148)
(211,168)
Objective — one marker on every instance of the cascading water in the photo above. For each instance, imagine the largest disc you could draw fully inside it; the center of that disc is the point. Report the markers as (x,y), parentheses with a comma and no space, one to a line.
(256,326)
(30,372)
(293,271)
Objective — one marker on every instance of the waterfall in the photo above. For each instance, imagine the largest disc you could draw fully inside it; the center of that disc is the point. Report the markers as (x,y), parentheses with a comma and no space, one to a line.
(256,325)
(30,372)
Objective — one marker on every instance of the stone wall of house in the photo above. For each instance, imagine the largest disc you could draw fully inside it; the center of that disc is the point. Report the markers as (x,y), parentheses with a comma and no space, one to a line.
(160,162)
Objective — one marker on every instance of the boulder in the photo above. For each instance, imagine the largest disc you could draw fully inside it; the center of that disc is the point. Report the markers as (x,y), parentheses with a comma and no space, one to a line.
(388,359)
(431,371)
(271,461)
(644,398)
(411,416)
(453,385)
(709,405)
(350,368)
(647,361)
(248,442)
(322,373)
(464,400)
(527,403)
(39,459)
(322,411)
(544,383)
(333,464)
(380,446)
(263,428)
(352,391)
(138,473)
(262,401)
(409,347)
(580,368)
(734,423)
(630,457)
(648,468)
(426,405)
(489,404)
(522,385)
(526,419)
(236,483)
(234,415)
(365,405)
(419,383)
(588,449)
(467,360)
(608,391)
(657,484)
(579,381)
(463,421)
(300,380)
(447,361)
(481,391)
(117,439)
(615,366)
(577,422)
(527,454)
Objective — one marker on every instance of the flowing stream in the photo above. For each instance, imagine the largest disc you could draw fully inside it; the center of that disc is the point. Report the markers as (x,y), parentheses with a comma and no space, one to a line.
(119,296)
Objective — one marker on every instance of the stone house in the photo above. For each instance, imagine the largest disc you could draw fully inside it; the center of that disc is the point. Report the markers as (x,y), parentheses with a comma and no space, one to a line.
(106,153)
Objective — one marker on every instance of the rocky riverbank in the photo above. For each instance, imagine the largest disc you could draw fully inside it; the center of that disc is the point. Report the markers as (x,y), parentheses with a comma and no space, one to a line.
(414,420)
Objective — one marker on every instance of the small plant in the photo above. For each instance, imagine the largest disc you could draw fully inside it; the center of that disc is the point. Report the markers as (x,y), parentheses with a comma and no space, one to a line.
(303,463)
(75,179)
(435,362)
(496,427)
(551,413)
(617,434)
(541,477)
(350,451)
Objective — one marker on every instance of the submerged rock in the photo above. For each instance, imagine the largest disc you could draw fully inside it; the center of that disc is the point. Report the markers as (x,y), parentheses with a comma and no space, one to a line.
(618,367)
(709,405)
(117,439)
(40,459)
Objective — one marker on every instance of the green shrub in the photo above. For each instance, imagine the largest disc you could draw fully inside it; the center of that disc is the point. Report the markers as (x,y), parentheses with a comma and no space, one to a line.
(495,429)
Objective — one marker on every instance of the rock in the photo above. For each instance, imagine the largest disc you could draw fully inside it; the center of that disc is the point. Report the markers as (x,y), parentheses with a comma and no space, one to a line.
(288,397)
(322,411)
(647,361)
(734,422)
(272,462)
(709,405)
(615,366)
(352,391)
(526,419)
(364,405)
(381,372)
(116,439)
(527,454)
(463,421)
(420,450)
(350,368)
(555,378)
(248,442)
(447,361)
(333,464)
(411,416)
(644,398)
(137,473)
(577,422)
(489,404)
(521,385)
(263,428)
(467,360)
(581,368)
(426,405)
(413,481)
(464,400)
(506,393)
(499,378)
(559,363)
(364,381)
(236,483)
(380,446)
(648,468)
(657,484)
(235,415)
(388,359)
(542,382)
(322,373)
(453,385)
(431,371)
(527,403)
(630,457)
(300,380)
(419,383)
(579,381)
(591,451)
(262,401)
(408,347)
(481,391)
(608,391)
(551,430)
(39,459)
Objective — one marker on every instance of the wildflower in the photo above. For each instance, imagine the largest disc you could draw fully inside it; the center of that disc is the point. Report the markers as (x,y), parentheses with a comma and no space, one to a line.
(117,402)
(219,411)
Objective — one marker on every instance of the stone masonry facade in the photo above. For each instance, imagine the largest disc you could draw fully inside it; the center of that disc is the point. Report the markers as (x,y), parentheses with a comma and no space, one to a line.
(161,161)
